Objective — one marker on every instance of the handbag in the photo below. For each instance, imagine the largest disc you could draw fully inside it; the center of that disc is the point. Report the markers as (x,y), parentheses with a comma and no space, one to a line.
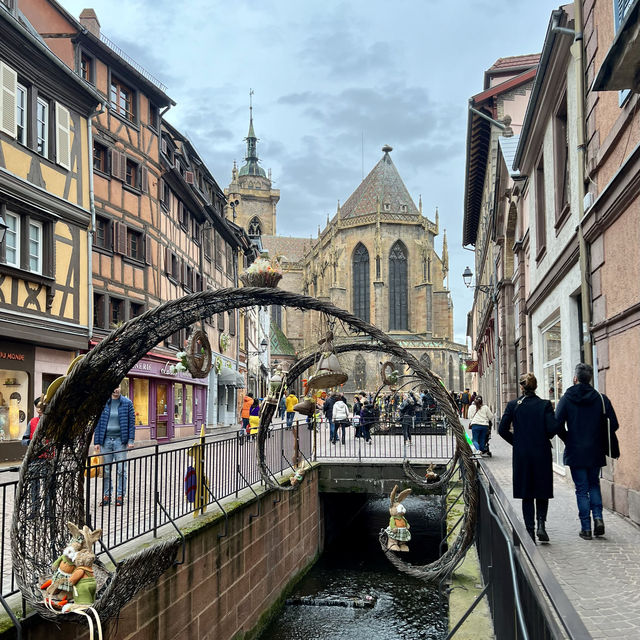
(610,444)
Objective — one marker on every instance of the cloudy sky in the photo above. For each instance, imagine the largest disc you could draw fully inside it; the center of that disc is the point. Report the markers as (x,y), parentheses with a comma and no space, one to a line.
(334,81)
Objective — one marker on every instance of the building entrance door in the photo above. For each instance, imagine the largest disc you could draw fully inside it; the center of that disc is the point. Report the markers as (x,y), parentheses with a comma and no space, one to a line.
(162,414)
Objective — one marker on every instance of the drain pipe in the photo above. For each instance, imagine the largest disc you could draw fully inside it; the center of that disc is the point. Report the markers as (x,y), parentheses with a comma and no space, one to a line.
(92,209)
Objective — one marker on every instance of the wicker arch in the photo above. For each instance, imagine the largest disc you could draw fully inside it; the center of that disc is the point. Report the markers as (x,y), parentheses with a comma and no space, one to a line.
(56,456)
(444,565)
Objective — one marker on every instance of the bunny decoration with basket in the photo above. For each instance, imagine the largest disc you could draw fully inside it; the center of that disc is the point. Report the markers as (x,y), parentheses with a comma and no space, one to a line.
(398,530)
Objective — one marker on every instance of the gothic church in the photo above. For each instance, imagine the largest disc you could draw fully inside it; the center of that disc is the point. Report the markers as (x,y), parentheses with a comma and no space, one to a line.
(376,257)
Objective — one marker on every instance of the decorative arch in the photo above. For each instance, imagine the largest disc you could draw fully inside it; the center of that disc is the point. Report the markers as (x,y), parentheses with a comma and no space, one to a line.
(254,229)
(66,429)
(425,361)
(452,373)
(398,288)
(361,282)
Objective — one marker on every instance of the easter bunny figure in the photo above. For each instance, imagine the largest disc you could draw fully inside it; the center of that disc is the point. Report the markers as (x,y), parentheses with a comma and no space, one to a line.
(398,530)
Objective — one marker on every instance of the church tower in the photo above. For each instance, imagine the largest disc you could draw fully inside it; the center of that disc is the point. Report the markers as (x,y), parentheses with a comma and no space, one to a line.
(250,189)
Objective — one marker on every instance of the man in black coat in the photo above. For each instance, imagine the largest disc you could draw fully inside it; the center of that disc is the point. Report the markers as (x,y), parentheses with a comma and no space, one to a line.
(528,424)
(581,410)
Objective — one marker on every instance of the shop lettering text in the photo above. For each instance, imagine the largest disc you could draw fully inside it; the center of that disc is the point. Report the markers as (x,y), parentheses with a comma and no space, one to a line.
(11,356)
(142,365)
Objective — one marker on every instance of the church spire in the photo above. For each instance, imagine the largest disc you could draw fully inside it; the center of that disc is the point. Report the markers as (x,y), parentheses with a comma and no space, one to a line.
(251,166)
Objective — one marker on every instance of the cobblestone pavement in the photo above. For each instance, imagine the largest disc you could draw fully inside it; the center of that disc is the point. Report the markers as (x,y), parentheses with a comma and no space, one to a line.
(601,577)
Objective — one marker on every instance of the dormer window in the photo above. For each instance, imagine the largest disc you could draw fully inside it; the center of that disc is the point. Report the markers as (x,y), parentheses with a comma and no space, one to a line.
(387,206)
(403,208)
(255,229)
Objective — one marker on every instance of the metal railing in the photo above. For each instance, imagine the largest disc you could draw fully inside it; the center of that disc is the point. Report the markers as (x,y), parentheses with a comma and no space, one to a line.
(525,599)
(155,475)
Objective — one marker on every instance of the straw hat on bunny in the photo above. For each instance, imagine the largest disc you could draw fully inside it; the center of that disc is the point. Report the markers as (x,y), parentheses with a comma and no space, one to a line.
(398,529)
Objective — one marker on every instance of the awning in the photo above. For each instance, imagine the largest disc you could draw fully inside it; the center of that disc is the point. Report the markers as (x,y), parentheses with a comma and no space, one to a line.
(230,378)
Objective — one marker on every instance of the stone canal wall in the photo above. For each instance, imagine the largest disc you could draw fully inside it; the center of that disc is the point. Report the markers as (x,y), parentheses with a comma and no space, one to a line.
(228,587)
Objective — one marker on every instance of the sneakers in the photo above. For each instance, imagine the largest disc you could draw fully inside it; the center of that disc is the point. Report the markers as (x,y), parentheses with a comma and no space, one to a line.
(585,535)
(105,501)
(119,501)
(598,527)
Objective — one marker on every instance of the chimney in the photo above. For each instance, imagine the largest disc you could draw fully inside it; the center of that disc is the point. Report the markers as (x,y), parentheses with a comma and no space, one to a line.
(89,20)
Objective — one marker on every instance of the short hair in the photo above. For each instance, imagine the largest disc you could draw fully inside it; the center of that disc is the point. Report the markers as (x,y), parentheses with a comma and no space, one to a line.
(584,372)
(528,382)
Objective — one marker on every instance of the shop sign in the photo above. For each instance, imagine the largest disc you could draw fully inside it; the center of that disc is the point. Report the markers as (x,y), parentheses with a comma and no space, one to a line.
(5,355)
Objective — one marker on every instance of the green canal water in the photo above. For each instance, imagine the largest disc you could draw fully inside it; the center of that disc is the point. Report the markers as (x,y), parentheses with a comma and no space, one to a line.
(353,565)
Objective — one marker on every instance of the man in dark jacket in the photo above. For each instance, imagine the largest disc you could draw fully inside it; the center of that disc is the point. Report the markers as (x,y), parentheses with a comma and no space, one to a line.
(581,410)
(407,410)
(327,409)
(114,434)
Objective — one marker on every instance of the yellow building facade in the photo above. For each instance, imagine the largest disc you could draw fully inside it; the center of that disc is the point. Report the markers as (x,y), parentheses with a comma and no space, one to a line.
(45,209)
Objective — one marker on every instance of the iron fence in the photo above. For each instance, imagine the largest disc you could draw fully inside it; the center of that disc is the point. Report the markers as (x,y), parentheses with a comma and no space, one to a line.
(525,598)
(155,475)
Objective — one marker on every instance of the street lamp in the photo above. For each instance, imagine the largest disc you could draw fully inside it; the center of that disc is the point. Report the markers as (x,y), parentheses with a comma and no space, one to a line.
(263,347)
(492,290)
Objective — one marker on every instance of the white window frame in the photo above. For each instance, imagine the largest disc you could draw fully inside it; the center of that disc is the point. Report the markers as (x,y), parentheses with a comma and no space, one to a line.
(22,113)
(555,364)
(34,224)
(42,127)
(16,233)
(620,10)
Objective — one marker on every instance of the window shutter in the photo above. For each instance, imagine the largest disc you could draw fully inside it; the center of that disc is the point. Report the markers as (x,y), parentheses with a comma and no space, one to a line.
(123,167)
(8,82)
(63,136)
(115,163)
(147,249)
(167,260)
(189,177)
(164,146)
(144,179)
(120,238)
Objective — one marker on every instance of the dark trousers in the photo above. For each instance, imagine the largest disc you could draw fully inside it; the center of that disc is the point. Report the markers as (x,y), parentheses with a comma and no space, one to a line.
(531,510)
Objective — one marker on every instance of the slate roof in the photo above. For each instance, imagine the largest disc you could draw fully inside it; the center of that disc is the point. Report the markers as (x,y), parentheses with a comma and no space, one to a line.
(293,249)
(383,183)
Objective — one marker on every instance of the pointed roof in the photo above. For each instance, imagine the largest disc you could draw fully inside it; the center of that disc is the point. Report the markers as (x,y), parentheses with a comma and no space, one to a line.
(280,345)
(251,166)
(383,185)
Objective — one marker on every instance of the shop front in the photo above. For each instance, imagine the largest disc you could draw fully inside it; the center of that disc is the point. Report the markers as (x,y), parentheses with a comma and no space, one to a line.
(166,405)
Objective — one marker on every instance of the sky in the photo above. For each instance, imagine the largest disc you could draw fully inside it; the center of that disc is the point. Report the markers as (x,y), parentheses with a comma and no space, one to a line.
(333,82)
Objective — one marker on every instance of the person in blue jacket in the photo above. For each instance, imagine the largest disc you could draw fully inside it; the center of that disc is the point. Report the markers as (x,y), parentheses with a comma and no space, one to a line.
(114,434)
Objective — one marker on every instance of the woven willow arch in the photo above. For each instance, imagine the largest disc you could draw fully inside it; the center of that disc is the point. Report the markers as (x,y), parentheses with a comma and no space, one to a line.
(56,456)
(444,565)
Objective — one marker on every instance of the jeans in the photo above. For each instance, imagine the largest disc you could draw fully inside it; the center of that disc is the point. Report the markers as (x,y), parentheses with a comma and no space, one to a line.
(479,434)
(290,417)
(332,431)
(587,481)
(406,427)
(110,445)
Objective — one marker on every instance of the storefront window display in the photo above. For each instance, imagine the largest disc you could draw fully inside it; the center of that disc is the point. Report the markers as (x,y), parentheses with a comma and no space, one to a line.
(14,386)
(552,377)
(188,405)
(141,400)
(177,401)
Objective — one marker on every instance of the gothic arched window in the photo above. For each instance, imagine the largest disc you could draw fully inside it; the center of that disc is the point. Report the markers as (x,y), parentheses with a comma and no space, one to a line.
(360,275)
(451,374)
(360,373)
(255,229)
(425,361)
(398,294)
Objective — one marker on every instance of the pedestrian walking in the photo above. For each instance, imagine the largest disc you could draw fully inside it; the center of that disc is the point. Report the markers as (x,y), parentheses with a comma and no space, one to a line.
(327,409)
(480,420)
(340,418)
(290,402)
(114,434)
(368,415)
(407,409)
(247,401)
(528,424)
(254,418)
(465,400)
(581,414)
(357,408)
(282,408)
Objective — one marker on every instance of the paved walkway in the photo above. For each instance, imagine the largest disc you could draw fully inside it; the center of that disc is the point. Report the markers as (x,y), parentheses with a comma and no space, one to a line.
(601,577)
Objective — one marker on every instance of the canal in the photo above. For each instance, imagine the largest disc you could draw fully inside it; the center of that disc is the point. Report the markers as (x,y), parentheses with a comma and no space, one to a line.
(353,566)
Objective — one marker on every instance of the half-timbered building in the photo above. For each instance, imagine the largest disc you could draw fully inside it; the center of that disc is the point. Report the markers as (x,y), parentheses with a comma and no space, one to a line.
(45,112)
